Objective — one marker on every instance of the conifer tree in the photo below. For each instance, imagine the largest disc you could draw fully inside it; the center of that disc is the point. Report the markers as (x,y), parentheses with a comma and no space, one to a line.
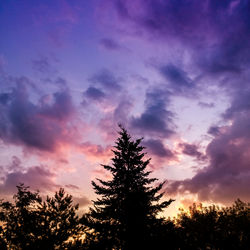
(124,215)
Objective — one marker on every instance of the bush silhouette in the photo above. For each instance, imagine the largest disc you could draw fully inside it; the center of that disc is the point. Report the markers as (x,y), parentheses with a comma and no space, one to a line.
(31,223)
(215,228)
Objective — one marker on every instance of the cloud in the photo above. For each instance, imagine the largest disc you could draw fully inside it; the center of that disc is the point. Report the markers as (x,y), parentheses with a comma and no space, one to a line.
(206,105)
(71,186)
(158,149)
(156,118)
(37,177)
(110,44)
(61,107)
(191,150)
(177,79)
(214,130)
(82,201)
(105,91)
(211,39)
(118,112)
(42,65)
(96,152)
(214,34)
(190,20)
(240,102)
(38,126)
(4,98)
(94,93)
(161,18)
(106,80)
(122,111)
(227,176)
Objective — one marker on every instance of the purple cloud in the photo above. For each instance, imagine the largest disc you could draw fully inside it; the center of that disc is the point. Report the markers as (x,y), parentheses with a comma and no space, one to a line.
(42,65)
(106,80)
(38,126)
(240,102)
(4,98)
(37,177)
(216,34)
(110,44)
(122,111)
(60,109)
(206,105)
(191,150)
(214,130)
(177,79)
(94,93)
(156,119)
(227,176)
(157,148)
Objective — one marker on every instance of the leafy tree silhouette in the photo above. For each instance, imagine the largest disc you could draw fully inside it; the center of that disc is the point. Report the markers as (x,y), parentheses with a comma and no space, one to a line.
(20,219)
(214,227)
(30,223)
(125,215)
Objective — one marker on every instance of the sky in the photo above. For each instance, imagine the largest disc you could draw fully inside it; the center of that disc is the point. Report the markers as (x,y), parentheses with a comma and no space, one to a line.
(175,72)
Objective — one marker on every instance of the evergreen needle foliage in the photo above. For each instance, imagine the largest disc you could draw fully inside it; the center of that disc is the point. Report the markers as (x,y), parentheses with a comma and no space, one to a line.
(124,215)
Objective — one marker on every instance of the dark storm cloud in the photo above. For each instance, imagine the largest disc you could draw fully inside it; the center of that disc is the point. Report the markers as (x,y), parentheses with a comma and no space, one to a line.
(157,148)
(39,126)
(156,119)
(106,80)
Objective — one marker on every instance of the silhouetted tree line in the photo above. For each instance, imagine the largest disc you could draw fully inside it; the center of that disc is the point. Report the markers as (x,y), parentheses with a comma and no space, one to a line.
(125,216)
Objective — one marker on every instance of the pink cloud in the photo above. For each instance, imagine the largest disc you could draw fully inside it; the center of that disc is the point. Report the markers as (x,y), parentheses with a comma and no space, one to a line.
(47,126)
(96,153)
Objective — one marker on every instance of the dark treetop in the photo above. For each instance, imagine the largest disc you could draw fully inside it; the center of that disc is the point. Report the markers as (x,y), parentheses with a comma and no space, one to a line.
(125,213)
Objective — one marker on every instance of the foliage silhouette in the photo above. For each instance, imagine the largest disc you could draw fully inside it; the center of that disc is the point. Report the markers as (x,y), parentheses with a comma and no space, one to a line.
(125,215)
(215,228)
(30,223)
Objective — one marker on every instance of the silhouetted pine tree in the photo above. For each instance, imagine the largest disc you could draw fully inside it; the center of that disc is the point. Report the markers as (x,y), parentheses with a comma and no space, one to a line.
(125,214)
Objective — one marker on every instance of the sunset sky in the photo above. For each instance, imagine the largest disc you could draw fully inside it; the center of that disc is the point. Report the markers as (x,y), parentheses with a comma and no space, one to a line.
(175,72)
